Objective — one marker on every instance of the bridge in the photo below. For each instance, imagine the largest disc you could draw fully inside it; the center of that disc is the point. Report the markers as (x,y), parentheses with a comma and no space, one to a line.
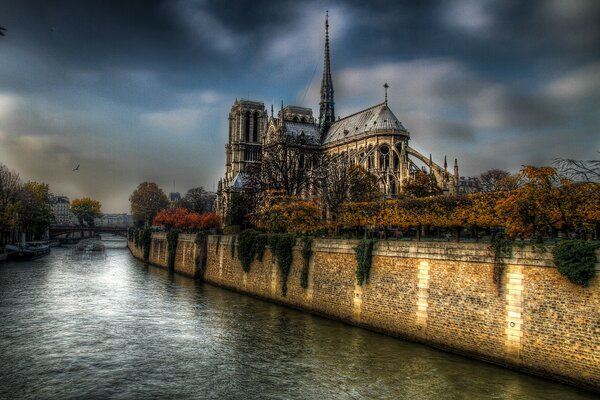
(74,233)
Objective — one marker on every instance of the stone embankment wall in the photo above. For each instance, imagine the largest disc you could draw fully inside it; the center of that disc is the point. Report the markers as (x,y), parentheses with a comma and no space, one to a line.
(441,294)
(185,255)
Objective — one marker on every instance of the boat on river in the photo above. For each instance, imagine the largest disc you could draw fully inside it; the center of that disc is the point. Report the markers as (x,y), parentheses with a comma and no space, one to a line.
(27,251)
(88,249)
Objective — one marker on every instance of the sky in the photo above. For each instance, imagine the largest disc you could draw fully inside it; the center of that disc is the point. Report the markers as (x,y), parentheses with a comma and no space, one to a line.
(139,91)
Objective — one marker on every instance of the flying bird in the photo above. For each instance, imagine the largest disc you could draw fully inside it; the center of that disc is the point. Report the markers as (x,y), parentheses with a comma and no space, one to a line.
(2,30)
(76,168)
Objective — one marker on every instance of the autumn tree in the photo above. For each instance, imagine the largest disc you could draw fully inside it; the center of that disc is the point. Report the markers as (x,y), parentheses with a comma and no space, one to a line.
(35,211)
(146,201)
(482,212)
(86,210)
(289,214)
(531,210)
(422,184)
(11,188)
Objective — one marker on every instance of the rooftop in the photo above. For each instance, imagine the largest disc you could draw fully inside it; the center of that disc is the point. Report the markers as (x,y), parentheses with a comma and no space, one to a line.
(378,118)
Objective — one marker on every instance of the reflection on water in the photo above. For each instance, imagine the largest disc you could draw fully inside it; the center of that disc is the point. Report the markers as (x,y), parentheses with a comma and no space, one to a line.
(117,328)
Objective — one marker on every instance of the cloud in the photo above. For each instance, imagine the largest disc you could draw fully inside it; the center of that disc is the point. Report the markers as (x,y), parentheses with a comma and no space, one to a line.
(471,16)
(177,121)
(298,47)
(206,27)
(579,85)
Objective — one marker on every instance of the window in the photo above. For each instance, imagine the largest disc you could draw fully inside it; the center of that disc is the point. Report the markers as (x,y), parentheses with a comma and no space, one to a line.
(255,128)
(247,126)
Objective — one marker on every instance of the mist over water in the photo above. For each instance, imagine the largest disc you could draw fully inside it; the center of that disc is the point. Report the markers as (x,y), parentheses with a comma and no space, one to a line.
(115,328)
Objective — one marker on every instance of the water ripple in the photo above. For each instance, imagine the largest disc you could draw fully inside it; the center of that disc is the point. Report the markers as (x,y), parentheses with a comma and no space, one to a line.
(115,328)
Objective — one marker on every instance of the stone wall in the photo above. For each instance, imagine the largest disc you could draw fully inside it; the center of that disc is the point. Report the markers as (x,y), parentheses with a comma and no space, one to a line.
(441,294)
(185,255)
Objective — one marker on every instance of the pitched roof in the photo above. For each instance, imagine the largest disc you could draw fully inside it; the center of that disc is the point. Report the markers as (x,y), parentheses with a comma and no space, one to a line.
(378,118)
(298,128)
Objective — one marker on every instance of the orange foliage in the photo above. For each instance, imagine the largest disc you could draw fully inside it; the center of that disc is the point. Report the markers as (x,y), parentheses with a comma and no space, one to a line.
(288,214)
(181,218)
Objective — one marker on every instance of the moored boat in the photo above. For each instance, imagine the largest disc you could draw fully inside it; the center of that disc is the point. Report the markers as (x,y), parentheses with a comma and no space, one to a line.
(27,251)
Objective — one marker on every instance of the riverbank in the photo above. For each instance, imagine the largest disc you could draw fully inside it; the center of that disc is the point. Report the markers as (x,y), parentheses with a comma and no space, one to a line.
(439,294)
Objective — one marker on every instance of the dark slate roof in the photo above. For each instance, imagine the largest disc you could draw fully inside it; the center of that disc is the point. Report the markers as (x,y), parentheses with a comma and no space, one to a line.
(238,181)
(378,118)
(311,131)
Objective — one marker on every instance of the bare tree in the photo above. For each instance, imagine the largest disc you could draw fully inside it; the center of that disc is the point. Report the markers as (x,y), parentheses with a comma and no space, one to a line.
(288,165)
(341,181)
(492,180)
(579,170)
(334,182)
(198,200)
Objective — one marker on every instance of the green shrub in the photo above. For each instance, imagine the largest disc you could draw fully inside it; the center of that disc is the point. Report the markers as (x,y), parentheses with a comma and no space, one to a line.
(231,230)
(306,255)
(576,259)
(364,259)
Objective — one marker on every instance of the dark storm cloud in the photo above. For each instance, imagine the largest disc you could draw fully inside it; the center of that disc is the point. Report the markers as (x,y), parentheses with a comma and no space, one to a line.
(140,90)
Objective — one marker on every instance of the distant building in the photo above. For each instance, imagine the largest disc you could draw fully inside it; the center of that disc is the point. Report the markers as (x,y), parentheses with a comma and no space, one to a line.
(210,201)
(114,221)
(174,197)
(61,206)
(468,185)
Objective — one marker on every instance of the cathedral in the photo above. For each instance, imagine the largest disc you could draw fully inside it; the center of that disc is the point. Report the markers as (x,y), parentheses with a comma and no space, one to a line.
(373,138)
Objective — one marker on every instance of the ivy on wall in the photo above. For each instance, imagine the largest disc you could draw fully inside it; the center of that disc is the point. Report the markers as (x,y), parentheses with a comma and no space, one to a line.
(282,245)
(146,239)
(247,248)
(364,258)
(306,255)
(232,246)
(142,238)
(201,242)
(260,244)
(217,244)
(576,259)
(172,237)
(501,247)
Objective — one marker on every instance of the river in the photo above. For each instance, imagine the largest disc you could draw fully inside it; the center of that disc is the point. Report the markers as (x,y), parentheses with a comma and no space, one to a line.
(115,328)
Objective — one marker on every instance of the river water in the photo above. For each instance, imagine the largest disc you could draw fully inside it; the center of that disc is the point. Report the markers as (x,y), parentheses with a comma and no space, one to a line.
(115,328)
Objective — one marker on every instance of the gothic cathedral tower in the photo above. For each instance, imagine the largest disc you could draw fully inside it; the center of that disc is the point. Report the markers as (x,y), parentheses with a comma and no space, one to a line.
(326,111)
(247,123)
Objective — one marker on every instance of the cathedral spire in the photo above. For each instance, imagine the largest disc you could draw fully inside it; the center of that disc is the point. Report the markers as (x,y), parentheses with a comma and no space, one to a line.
(326,111)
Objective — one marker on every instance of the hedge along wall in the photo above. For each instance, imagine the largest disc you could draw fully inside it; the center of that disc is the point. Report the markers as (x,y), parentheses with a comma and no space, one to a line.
(441,294)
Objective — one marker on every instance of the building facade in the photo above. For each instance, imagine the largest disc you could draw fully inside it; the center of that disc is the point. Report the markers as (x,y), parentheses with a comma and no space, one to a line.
(61,206)
(373,138)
